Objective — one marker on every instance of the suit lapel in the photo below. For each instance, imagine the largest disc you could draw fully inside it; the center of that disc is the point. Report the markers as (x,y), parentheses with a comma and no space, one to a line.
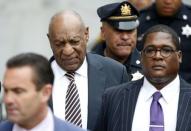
(184,106)
(129,103)
(96,82)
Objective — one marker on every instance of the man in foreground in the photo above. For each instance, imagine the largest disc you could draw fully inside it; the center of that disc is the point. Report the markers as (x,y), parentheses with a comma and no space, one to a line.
(27,88)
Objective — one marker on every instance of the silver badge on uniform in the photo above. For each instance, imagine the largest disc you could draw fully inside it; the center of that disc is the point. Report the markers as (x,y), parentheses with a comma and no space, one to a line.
(140,37)
(186,30)
(148,17)
(185,17)
(136,76)
(138,62)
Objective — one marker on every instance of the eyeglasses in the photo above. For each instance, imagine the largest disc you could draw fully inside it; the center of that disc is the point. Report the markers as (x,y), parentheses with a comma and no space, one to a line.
(164,51)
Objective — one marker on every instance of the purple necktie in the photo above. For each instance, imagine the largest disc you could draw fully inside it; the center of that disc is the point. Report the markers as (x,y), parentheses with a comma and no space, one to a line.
(156,114)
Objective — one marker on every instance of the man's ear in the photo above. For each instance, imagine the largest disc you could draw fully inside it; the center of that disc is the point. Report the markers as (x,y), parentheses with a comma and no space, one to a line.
(46,92)
(87,33)
(102,32)
(48,36)
(180,56)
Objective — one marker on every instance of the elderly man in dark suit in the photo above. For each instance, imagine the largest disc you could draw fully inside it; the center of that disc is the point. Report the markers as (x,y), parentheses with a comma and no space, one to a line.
(80,77)
(161,100)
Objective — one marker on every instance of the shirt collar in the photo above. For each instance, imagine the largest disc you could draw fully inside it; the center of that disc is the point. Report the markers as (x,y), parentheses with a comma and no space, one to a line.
(148,89)
(41,126)
(59,72)
(168,92)
(83,68)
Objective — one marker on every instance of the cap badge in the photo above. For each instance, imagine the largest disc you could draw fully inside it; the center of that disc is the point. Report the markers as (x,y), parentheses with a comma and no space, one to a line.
(125,10)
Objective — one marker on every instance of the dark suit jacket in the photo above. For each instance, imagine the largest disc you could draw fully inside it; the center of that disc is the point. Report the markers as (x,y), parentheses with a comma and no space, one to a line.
(102,73)
(58,126)
(119,105)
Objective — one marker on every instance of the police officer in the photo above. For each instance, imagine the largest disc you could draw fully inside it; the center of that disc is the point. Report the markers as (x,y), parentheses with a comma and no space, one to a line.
(176,15)
(119,32)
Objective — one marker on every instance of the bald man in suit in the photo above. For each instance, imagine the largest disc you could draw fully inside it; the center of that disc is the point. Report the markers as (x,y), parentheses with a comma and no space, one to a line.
(93,73)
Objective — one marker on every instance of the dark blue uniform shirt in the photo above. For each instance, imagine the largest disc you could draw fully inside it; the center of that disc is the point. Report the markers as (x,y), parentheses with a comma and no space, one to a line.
(181,23)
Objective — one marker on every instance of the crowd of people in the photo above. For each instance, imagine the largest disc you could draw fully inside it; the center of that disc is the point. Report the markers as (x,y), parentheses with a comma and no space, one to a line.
(138,78)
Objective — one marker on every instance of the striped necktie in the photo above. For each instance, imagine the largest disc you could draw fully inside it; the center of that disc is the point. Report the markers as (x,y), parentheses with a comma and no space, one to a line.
(156,114)
(72,103)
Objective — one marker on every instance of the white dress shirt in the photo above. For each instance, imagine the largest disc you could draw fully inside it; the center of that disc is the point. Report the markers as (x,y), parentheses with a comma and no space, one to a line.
(46,125)
(168,101)
(60,87)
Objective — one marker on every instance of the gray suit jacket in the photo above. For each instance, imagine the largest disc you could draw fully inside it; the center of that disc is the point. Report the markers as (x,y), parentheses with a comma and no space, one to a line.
(58,126)
(119,105)
(102,73)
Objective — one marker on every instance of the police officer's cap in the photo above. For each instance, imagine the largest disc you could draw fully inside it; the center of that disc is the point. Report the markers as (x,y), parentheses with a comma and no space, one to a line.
(122,16)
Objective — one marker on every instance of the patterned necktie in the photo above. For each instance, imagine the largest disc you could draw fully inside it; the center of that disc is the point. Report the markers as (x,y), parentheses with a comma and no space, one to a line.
(156,114)
(72,105)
